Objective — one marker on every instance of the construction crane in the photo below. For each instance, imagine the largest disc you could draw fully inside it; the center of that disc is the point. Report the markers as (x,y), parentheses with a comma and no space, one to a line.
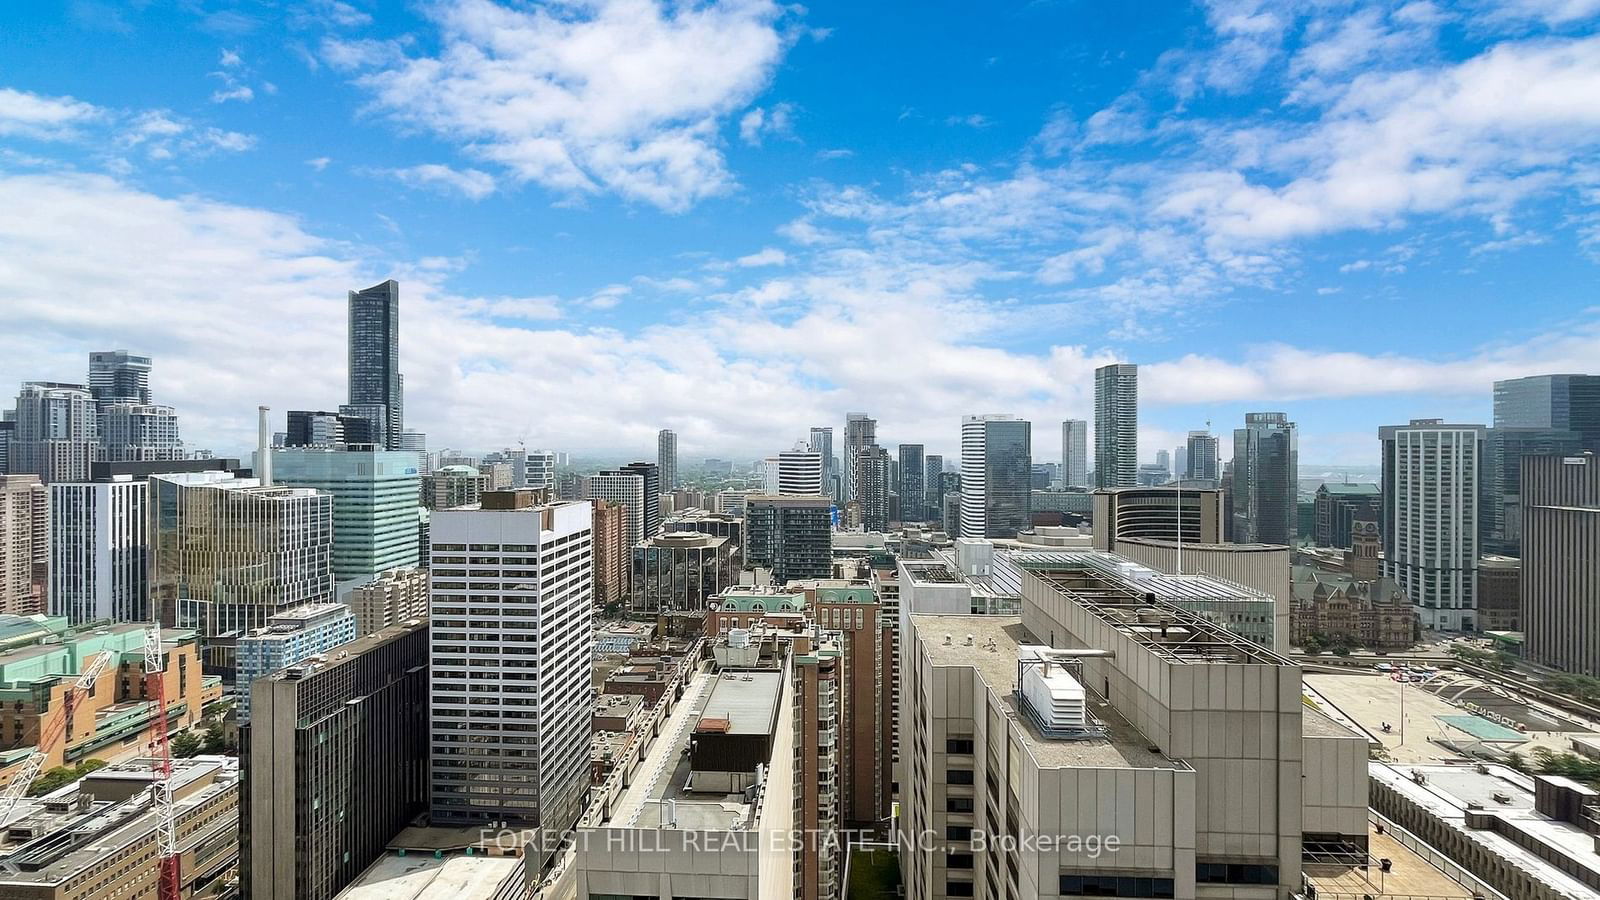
(52,730)
(171,884)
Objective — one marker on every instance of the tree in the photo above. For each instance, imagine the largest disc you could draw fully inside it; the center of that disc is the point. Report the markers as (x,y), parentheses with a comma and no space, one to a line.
(186,745)
(61,776)
(215,742)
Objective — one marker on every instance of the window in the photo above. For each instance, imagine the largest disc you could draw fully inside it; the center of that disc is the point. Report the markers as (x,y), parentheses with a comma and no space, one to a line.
(958,804)
(958,745)
(1097,885)
(958,832)
(1234,873)
(958,776)
(958,861)
(958,888)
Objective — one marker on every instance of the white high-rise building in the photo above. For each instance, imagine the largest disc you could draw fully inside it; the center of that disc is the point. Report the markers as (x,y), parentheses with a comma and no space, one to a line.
(996,476)
(539,472)
(667,459)
(138,432)
(57,435)
(100,551)
(1074,453)
(511,643)
(1116,426)
(799,472)
(626,489)
(1431,479)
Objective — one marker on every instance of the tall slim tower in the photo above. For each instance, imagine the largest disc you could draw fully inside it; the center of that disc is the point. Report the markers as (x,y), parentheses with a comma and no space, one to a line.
(667,458)
(996,476)
(933,487)
(1266,475)
(1200,456)
(117,376)
(912,488)
(1431,497)
(1116,426)
(822,443)
(1075,453)
(375,379)
(860,432)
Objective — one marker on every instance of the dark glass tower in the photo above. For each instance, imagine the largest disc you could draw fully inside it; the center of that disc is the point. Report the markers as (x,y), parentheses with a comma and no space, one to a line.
(375,379)
(1556,402)
(651,473)
(912,487)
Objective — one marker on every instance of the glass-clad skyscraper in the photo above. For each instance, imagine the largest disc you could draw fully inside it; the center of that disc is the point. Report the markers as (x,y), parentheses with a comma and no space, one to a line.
(376,494)
(1558,402)
(1116,426)
(376,386)
(996,476)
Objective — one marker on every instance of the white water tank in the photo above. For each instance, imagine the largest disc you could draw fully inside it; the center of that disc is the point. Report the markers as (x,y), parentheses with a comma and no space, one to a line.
(738,637)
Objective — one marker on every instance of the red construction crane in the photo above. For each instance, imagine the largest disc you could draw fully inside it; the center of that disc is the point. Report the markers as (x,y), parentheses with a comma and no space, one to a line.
(51,730)
(171,885)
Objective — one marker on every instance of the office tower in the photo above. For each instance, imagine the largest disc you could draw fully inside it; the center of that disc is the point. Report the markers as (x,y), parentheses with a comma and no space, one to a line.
(415,441)
(100,551)
(517,463)
(1339,507)
(860,432)
(117,376)
(652,495)
(8,431)
(1266,479)
(1074,453)
(57,435)
(996,468)
(1164,460)
(375,499)
(1201,456)
(453,486)
(1431,494)
(1116,426)
(376,386)
(1180,462)
(913,486)
(511,738)
(626,489)
(611,553)
(335,765)
(365,423)
(1560,546)
(679,571)
(24,544)
(933,487)
(667,458)
(394,597)
(791,535)
(498,475)
(874,478)
(541,470)
(132,432)
(798,472)
(1503,452)
(287,639)
(821,443)
(320,428)
(227,554)
(1156,512)
(1557,402)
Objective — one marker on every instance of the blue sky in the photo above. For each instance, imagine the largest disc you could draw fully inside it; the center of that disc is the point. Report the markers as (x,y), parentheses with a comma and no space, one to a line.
(742,219)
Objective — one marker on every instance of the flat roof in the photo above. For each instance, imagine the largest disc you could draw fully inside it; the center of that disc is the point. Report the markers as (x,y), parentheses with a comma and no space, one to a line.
(1123,745)
(422,877)
(748,700)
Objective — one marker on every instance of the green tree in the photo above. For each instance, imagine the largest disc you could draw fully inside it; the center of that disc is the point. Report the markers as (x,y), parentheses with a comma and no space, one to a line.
(215,742)
(186,745)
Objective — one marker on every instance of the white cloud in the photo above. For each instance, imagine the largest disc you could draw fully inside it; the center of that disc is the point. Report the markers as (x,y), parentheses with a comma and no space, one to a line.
(241,92)
(24,114)
(319,162)
(163,135)
(230,59)
(835,153)
(973,120)
(616,95)
(470,183)
(759,124)
(767,256)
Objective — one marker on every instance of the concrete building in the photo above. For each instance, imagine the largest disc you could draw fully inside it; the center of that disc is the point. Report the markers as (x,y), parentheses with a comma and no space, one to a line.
(1499,593)
(1266,479)
(290,637)
(139,432)
(100,551)
(933,487)
(510,737)
(667,459)
(821,443)
(377,388)
(96,839)
(911,485)
(651,475)
(627,490)
(375,498)
(540,470)
(1116,426)
(24,544)
(1201,457)
(57,435)
(336,764)
(1074,453)
(1558,402)
(874,487)
(996,469)
(799,472)
(1084,719)
(1339,507)
(226,554)
(453,486)
(1431,506)
(1264,568)
(395,596)
(680,570)
(705,522)
(613,569)
(790,535)
(1560,543)
(1162,513)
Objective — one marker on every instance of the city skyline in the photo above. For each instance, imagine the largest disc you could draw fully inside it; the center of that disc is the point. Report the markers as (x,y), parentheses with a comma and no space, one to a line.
(781,236)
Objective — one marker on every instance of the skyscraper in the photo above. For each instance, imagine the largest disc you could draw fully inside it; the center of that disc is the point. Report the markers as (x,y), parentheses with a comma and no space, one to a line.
(117,376)
(56,435)
(139,432)
(799,472)
(23,544)
(822,443)
(667,458)
(652,495)
(1200,457)
(933,481)
(375,381)
(860,432)
(874,478)
(1266,478)
(540,473)
(1074,453)
(511,736)
(376,494)
(1503,452)
(100,551)
(1560,544)
(1431,475)
(996,476)
(1559,402)
(912,487)
(791,535)
(626,489)
(1116,426)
